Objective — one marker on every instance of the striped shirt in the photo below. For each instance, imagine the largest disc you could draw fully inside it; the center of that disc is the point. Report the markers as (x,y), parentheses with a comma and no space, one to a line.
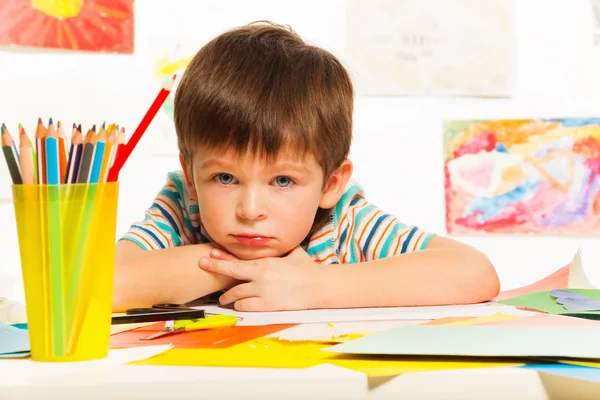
(354,231)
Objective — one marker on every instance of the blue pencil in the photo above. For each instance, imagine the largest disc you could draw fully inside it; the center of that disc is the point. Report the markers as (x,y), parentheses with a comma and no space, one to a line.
(98,156)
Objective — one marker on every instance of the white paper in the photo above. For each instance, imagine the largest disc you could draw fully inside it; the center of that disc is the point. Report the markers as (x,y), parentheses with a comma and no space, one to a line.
(362,314)
(334,331)
(439,47)
(577,278)
(22,371)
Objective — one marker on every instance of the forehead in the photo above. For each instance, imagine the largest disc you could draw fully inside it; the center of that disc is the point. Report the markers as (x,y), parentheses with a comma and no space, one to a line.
(285,156)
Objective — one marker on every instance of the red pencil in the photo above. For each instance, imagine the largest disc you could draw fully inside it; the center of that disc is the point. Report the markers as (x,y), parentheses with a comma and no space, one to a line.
(123,155)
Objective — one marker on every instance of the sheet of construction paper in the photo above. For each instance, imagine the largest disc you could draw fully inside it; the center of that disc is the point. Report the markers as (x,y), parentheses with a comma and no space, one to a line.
(577,277)
(482,320)
(569,276)
(543,301)
(482,341)
(208,338)
(446,320)
(360,314)
(574,301)
(337,332)
(547,320)
(571,371)
(273,353)
(558,280)
(14,342)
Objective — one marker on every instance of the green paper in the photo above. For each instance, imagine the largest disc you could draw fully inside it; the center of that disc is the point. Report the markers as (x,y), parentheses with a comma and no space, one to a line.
(479,341)
(543,301)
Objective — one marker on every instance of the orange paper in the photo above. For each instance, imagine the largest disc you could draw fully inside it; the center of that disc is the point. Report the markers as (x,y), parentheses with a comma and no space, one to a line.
(217,338)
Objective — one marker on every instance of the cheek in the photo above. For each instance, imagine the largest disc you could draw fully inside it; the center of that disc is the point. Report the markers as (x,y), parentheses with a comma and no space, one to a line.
(213,209)
(296,215)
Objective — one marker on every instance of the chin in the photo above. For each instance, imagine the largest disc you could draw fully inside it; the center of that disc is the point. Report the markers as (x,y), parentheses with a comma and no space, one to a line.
(246,253)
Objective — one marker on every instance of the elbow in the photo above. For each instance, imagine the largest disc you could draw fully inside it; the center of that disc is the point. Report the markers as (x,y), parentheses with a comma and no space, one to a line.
(481,283)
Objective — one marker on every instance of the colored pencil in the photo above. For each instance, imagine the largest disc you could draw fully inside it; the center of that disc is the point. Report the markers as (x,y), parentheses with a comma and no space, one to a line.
(12,157)
(113,174)
(74,156)
(83,175)
(5,129)
(40,151)
(27,158)
(111,141)
(54,238)
(52,155)
(98,156)
(62,151)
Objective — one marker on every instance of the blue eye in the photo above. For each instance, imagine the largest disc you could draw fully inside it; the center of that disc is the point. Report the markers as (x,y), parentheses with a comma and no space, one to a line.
(225,179)
(283,181)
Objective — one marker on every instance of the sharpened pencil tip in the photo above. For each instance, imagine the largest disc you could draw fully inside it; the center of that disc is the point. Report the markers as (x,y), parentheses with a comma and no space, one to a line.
(3,128)
(50,122)
(20,126)
(104,125)
(79,128)
(94,128)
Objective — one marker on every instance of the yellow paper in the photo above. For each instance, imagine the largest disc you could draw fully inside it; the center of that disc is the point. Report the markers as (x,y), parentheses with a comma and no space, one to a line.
(273,353)
(482,320)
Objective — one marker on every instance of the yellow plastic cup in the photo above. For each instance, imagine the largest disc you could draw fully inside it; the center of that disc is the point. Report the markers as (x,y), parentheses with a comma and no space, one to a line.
(67,248)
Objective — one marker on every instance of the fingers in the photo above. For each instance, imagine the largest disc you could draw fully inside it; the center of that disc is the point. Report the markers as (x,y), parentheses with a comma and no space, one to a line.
(238,292)
(249,304)
(222,255)
(235,269)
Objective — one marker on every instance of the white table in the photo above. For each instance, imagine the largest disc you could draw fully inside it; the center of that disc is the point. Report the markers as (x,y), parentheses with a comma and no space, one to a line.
(320,382)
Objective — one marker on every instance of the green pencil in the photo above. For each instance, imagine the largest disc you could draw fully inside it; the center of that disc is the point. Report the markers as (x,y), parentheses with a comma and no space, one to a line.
(12,157)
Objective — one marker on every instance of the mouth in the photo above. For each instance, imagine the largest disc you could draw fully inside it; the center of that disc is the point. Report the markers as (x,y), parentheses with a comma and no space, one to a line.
(252,239)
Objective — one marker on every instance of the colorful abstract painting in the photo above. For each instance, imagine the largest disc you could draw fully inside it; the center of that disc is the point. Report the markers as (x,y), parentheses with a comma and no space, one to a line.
(87,25)
(522,176)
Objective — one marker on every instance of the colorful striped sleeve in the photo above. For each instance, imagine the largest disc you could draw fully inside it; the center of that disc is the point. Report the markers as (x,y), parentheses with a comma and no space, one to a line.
(367,233)
(165,223)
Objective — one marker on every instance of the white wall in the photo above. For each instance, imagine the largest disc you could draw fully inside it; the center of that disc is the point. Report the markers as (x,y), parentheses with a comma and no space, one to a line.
(557,77)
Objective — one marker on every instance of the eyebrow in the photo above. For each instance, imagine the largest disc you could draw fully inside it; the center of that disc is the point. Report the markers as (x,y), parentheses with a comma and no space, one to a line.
(214,163)
(285,165)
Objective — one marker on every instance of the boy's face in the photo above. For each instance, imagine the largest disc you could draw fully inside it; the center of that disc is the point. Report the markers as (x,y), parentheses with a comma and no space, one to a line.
(255,209)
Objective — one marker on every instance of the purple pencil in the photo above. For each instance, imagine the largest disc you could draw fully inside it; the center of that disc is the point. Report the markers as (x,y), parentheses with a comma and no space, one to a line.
(74,156)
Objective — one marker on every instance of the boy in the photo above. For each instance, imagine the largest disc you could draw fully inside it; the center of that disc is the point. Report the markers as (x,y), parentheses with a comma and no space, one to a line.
(264,205)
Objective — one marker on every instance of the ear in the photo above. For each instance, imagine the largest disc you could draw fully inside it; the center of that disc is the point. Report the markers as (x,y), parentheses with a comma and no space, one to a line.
(334,188)
(189,180)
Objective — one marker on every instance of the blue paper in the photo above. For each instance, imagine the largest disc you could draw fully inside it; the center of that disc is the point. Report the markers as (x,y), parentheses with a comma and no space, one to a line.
(13,341)
(574,301)
(571,371)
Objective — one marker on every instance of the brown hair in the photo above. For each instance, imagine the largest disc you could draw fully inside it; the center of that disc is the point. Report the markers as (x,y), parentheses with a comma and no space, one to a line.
(261,89)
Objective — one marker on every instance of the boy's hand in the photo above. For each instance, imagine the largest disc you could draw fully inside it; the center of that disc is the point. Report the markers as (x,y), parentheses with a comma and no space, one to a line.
(270,284)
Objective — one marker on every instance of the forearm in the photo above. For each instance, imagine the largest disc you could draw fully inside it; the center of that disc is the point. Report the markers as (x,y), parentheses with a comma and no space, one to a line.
(431,277)
(143,278)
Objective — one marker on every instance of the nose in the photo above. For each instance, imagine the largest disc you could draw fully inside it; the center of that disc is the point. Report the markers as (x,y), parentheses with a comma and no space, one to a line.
(251,205)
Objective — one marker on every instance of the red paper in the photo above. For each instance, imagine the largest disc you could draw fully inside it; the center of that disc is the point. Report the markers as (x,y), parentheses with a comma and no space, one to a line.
(90,25)
(207,338)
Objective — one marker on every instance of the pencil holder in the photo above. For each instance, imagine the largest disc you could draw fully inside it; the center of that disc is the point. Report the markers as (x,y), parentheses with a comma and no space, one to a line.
(67,248)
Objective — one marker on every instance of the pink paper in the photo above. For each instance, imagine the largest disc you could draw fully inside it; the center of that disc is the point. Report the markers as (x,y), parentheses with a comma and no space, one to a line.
(558,280)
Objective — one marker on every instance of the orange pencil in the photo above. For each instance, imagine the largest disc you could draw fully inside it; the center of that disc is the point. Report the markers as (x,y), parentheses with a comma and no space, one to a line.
(40,151)
(27,158)
(62,151)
